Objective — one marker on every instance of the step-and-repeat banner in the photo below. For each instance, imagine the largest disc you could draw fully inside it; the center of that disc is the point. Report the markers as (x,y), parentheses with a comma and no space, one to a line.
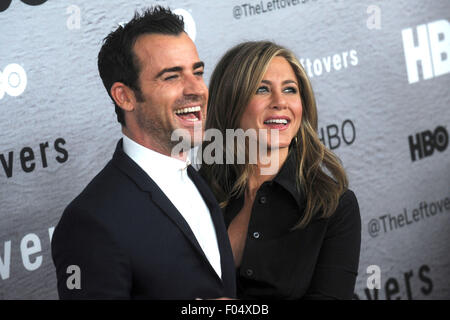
(381,74)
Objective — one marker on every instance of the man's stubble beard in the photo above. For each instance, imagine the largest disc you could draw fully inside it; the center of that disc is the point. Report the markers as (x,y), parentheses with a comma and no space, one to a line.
(162,137)
(154,128)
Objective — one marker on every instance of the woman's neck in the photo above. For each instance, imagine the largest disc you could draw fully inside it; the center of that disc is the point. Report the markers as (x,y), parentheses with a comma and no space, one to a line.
(266,169)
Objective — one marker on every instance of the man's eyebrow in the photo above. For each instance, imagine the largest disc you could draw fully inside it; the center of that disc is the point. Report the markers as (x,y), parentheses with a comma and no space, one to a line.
(199,64)
(196,65)
(173,69)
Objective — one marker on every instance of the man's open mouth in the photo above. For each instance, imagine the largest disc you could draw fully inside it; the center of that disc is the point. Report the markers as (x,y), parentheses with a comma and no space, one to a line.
(190,113)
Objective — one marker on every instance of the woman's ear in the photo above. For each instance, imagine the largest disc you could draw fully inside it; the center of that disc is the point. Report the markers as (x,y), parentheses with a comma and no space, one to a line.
(123,96)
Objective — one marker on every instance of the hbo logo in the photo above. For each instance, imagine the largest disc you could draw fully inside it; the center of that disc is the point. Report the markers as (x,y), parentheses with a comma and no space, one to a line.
(13,80)
(432,50)
(426,142)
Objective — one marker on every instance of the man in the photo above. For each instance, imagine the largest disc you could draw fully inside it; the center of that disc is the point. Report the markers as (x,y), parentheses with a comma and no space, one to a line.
(147,226)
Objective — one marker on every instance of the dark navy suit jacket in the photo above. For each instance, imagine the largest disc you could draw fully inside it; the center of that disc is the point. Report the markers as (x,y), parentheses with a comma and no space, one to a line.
(130,242)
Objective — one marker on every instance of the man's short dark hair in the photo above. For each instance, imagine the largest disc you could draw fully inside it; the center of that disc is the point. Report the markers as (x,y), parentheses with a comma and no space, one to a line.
(117,61)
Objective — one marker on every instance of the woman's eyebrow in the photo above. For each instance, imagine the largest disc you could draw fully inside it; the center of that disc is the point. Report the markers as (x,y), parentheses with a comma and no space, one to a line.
(284,82)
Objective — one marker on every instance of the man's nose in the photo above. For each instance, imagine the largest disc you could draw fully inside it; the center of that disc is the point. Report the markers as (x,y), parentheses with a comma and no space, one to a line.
(194,86)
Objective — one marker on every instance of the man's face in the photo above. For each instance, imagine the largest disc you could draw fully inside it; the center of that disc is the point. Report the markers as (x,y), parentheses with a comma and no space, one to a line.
(172,86)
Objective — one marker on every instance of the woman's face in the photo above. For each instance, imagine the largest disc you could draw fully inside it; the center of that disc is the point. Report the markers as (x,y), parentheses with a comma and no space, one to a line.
(276,104)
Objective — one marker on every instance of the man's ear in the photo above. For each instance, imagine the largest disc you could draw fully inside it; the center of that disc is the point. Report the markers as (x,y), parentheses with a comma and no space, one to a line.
(123,96)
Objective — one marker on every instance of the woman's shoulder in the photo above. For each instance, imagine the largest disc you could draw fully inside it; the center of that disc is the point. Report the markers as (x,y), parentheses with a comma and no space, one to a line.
(348,198)
(347,210)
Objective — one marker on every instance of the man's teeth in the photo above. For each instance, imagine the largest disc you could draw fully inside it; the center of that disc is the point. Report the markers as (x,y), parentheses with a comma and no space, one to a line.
(188,110)
(281,121)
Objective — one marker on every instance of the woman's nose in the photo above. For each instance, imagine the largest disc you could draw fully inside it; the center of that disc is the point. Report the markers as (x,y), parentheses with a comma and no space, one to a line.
(278,101)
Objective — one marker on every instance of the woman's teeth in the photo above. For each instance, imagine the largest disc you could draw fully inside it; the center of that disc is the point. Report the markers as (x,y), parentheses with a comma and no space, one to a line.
(280,121)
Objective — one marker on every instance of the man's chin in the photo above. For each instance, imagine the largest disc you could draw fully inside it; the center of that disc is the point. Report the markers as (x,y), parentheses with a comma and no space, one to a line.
(187,137)
(191,131)
(188,122)
(196,143)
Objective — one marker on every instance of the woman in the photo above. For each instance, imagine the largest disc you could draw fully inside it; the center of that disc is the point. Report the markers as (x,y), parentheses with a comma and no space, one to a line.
(295,232)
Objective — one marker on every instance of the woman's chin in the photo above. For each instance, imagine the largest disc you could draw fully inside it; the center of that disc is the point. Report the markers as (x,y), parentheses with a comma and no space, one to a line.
(279,145)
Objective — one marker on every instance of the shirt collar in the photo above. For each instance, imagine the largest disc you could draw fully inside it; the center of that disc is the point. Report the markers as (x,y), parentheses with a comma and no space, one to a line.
(287,178)
(151,161)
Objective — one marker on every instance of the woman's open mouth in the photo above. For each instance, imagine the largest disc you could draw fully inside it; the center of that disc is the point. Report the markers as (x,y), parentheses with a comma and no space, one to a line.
(277,123)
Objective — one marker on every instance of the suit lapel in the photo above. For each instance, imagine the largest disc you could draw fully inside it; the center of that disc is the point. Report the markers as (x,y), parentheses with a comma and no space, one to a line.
(216,214)
(172,212)
(146,184)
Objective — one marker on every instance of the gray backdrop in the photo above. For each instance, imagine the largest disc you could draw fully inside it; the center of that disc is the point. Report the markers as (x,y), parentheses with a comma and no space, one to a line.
(381,73)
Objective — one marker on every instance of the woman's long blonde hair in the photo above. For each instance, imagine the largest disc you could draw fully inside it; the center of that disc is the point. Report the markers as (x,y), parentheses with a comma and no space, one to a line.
(233,83)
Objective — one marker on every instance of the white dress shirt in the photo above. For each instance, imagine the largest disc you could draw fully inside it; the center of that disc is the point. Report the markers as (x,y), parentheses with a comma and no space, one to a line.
(171,176)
